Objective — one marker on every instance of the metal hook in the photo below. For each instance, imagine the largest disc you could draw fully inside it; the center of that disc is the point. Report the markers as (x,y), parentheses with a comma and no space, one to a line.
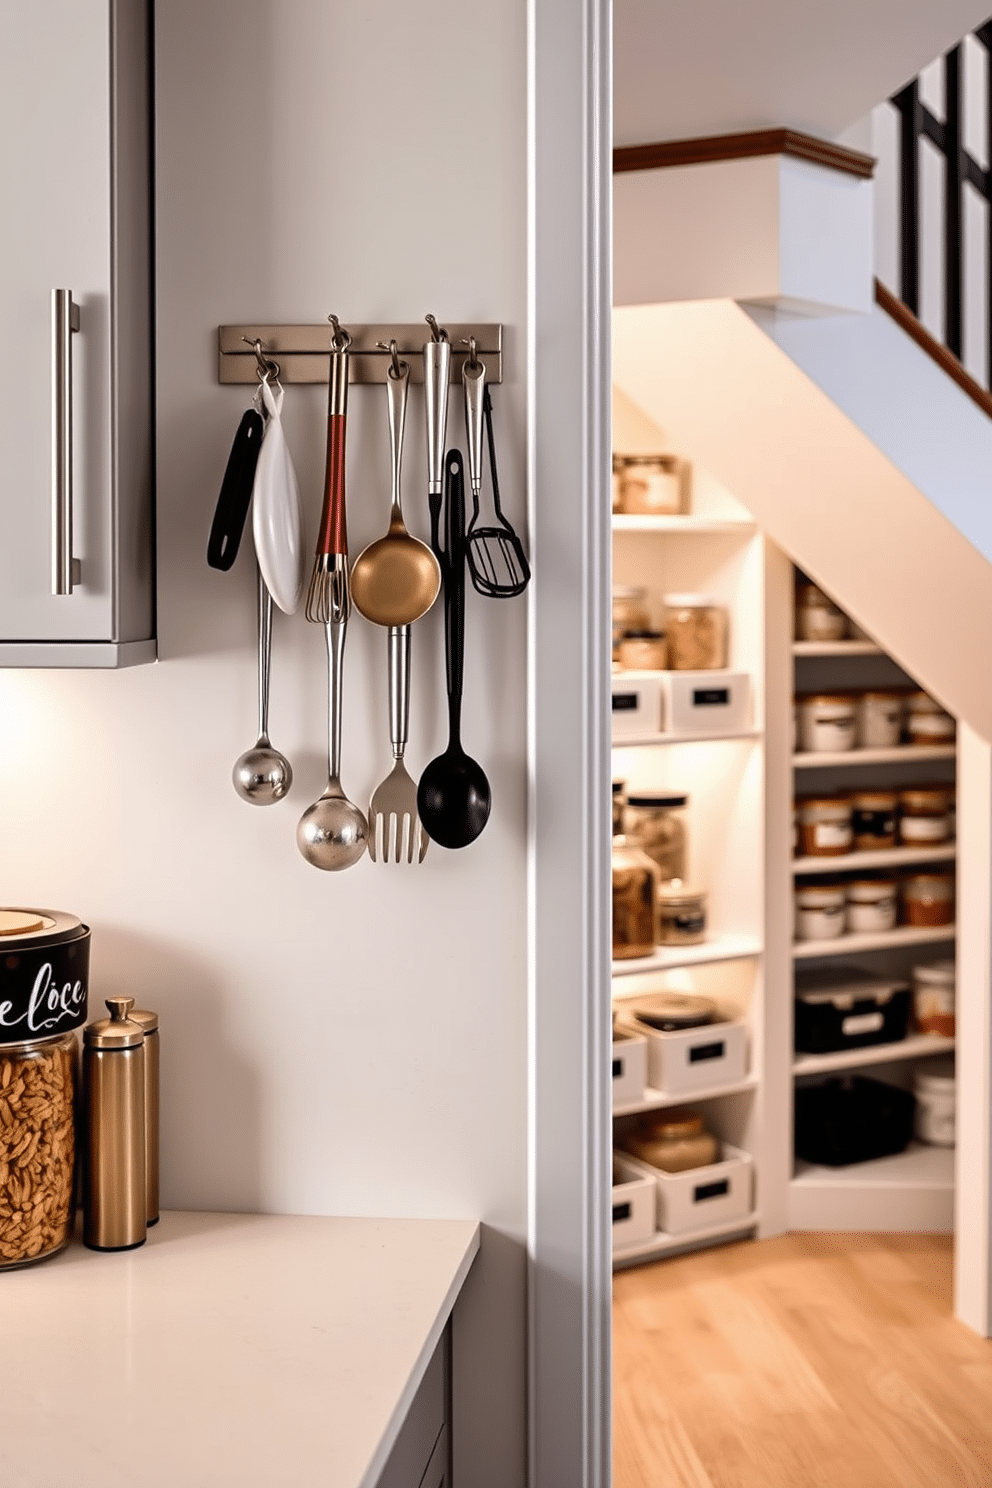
(438,333)
(473,351)
(341,340)
(398,369)
(266,366)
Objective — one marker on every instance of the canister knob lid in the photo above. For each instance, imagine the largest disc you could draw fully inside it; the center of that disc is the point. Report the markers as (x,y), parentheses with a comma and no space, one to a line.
(119,1031)
(146,1020)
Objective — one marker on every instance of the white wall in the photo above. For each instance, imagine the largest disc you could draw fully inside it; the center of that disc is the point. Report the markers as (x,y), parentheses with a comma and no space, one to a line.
(350,1043)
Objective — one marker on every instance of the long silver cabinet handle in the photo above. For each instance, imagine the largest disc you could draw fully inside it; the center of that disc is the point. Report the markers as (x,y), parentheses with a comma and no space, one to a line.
(65,320)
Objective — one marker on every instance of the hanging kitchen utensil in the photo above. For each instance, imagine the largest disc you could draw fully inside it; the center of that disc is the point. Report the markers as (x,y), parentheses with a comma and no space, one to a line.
(235,492)
(277,514)
(396,579)
(333,832)
(262,775)
(437,366)
(453,797)
(395,832)
(496,558)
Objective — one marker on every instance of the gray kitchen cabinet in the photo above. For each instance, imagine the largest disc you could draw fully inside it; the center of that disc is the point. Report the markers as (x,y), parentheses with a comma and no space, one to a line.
(421,1454)
(76,445)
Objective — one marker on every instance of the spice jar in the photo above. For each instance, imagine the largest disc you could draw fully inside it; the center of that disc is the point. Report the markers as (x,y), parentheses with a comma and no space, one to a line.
(819,911)
(635,886)
(935,1088)
(44,971)
(934,996)
(873,819)
(927,722)
(681,914)
(928,899)
(827,722)
(656,823)
(630,613)
(925,816)
(643,651)
(872,905)
(880,717)
(824,826)
(673,1143)
(696,630)
(649,485)
(817,617)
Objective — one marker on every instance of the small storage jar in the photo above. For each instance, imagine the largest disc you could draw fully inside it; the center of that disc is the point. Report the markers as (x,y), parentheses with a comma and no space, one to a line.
(619,802)
(935,1088)
(635,889)
(873,819)
(880,719)
(827,722)
(927,722)
(675,1144)
(630,613)
(925,817)
(819,911)
(681,914)
(696,630)
(643,651)
(934,998)
(928,899)
(872,905)
(656,823)
(824,826)
(649,485)
(817,617)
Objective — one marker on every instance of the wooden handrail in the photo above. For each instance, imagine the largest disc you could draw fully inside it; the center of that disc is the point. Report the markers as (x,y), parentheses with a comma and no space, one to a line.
(945,359)
(741,147)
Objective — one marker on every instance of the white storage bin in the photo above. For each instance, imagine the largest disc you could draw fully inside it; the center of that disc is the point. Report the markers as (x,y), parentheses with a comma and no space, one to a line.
(711,702)
(695,1058)
(630,1067)
(636,704)
(699,1197)
(634,1201)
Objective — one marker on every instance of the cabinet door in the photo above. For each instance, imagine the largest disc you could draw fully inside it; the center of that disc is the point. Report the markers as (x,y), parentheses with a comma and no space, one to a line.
(60,85)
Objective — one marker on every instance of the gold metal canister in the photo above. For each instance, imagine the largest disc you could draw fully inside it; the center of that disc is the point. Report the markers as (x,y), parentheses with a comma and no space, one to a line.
(114,1203)
(149,1023)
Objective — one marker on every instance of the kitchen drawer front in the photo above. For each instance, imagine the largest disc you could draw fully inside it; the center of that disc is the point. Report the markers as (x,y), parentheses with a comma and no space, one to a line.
(413,1457)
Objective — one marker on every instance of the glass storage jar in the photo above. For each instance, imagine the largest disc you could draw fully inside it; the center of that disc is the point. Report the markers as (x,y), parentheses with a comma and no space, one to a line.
(619,802)
(673,1143)
(656,823)
(935,1088)
(873,819)
(643,651)
(928,899)
(872,905)
(635,888)
(630,613)
(819,911)
(827,722)
(925,816)
(880,718)
(824,826)
(817,617)
(927,722)
(649,485)
(681,914)
(934,998)
(696,631)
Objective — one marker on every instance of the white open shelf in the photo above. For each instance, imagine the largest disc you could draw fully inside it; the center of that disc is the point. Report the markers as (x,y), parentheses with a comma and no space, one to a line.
(640,741)
(667,958)
(888,857)
(662,1244)
(849,945)
(836,648)
(899,755)
(657,1100)
(918,1046)
(688,522)
(912,1191)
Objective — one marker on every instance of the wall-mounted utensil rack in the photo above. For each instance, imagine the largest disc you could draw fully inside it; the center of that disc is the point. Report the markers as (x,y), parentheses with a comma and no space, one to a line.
(302,350)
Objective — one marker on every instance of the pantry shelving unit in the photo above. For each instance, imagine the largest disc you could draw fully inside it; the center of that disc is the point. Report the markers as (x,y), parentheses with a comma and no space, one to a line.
(661,1244)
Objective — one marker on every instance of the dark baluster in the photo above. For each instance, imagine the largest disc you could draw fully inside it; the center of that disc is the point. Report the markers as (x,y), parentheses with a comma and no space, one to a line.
(908,103)
(953,198)
(984,35)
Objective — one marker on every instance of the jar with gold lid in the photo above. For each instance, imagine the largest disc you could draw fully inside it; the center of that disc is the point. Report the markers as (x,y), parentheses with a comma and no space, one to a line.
(673,1143)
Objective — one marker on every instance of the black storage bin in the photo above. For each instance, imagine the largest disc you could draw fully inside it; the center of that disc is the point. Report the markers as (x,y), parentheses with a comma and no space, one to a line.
(852,1013)
(851,1120)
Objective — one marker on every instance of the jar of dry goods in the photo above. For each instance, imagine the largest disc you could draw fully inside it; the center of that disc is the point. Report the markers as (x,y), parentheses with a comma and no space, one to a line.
(44,972)
(673,1143)
(656,823)
(617,471)
(819,911)
(696,630)
(643,651)
(635,888)
(827,722)
(872,905)
(649,485)
(935,1088)
(681,914)
(817,617)
(824,826)
(925,816)
(873,819)
(619,802)
(630,613)
(880,718)
(934,997)
(927,722)
(928,899)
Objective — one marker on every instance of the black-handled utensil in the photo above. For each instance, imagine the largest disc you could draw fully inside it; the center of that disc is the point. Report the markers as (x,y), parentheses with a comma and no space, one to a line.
(235,492)
(496,559)
(453,797)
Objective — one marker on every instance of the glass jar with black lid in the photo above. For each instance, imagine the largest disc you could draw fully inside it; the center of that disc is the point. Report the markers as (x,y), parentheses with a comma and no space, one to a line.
(656,822)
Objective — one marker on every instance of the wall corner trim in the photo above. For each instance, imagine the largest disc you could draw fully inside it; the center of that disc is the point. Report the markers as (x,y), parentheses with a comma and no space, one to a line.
(708,148)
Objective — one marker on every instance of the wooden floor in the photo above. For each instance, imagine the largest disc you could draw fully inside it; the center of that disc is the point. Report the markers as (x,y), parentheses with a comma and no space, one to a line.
(804,1361)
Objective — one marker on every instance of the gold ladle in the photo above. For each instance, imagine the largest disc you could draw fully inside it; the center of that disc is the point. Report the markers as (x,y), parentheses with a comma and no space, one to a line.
(397,578)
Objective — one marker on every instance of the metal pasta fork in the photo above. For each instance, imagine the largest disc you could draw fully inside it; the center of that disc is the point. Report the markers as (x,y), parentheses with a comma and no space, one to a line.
(395,832)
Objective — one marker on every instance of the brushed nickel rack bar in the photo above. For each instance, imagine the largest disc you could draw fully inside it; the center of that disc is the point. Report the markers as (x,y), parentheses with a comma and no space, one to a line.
(302,350)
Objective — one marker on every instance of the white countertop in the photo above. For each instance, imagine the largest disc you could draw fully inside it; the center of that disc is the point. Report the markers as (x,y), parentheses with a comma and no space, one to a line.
(261,1351)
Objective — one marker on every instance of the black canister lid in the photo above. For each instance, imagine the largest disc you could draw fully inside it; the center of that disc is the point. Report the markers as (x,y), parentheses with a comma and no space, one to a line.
(658,800)
(44,974)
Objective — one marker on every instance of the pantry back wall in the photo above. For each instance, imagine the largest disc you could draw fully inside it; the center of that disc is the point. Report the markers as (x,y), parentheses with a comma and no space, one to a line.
(348,1043)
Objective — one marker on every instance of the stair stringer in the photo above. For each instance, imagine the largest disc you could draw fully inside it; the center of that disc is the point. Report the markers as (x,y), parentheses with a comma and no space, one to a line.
(723,391)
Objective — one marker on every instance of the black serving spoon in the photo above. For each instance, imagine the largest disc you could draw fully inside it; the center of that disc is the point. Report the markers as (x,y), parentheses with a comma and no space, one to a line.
(453,797)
